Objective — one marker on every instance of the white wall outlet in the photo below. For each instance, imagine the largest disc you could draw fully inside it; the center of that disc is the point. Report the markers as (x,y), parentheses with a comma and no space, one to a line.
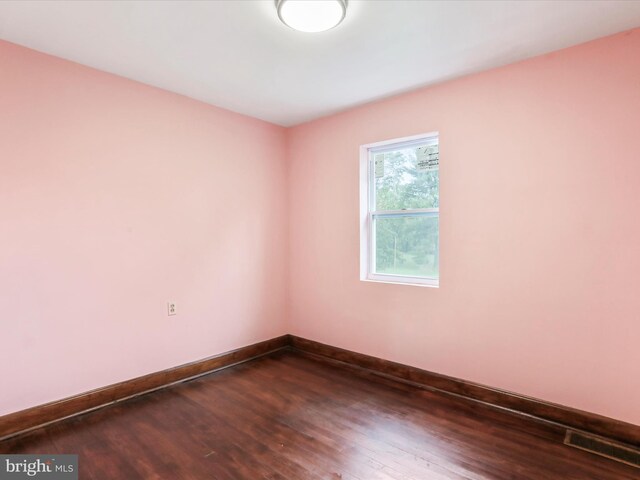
(172,308)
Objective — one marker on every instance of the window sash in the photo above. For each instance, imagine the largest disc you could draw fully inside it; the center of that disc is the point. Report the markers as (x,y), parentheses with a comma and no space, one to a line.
(407,212)
(371,153)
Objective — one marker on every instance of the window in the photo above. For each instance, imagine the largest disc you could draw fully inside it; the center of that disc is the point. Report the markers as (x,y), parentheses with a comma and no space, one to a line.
(399,211)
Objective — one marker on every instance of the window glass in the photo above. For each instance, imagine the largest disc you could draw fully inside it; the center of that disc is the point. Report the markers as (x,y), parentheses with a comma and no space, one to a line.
(407,246)
(401,185)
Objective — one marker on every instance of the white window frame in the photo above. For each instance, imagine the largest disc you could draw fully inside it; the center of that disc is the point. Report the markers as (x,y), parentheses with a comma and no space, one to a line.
(368,216)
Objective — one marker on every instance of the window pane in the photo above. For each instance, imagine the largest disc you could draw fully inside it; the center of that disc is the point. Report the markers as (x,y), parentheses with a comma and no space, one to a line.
(402,184)
(407,246)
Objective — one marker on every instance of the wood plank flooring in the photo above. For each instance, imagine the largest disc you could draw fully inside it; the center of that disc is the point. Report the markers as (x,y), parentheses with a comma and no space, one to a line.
(290,416)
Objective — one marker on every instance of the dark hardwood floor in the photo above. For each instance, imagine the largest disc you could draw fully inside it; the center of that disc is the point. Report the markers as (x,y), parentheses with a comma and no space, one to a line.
(290,416)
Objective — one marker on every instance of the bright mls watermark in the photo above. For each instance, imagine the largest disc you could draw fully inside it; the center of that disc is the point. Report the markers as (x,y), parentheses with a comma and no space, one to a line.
(50,467)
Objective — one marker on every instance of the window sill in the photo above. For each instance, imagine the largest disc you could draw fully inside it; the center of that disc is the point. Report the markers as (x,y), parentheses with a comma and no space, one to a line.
(400,280)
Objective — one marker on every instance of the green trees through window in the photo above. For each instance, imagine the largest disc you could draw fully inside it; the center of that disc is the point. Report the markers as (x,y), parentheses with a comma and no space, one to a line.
(405,220)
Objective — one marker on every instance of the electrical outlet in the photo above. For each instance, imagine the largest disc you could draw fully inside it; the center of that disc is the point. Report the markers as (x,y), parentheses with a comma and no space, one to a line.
(172,308)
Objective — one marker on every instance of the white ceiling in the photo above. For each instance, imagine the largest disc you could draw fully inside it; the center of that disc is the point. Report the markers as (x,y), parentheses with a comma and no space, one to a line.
(237,54)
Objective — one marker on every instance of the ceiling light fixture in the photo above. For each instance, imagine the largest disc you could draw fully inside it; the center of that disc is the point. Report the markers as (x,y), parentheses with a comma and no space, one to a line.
(311,15)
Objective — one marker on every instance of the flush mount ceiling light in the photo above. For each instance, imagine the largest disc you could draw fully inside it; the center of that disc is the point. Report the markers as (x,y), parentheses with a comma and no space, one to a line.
(311,15)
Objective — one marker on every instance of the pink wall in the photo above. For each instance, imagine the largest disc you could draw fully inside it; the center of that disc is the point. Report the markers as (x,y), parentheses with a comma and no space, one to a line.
(540,230)
(116,197)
